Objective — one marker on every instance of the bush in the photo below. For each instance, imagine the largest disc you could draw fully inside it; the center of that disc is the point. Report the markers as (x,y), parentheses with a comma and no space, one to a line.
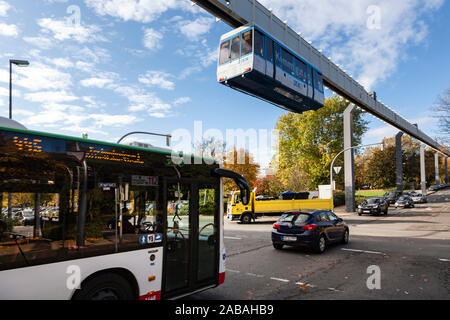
(339,198)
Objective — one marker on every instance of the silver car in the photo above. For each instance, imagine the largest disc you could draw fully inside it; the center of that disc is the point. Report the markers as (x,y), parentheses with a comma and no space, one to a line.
(419,198)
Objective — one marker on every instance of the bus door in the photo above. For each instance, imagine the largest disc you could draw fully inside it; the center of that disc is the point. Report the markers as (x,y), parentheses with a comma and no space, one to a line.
(191,248)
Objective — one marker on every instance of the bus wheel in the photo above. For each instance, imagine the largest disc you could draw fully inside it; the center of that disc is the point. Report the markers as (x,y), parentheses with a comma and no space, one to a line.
(246,218)
(107,286)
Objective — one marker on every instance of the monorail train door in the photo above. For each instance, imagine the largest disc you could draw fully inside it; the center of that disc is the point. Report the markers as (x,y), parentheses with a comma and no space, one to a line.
(191,248)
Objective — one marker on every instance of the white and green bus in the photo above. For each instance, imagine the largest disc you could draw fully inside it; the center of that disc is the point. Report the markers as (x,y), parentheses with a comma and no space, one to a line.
(106,221)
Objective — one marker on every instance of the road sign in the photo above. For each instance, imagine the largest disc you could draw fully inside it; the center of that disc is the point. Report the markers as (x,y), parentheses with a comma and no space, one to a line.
(337,169)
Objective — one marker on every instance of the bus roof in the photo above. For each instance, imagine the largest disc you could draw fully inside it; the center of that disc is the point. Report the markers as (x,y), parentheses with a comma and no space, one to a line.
(58,136)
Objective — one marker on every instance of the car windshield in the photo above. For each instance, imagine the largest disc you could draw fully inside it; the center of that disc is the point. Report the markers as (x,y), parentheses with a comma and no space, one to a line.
(373,201)
(402,198)
(297,218)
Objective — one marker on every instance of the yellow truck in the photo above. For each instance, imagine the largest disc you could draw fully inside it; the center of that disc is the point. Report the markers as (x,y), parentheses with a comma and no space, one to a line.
(236,211)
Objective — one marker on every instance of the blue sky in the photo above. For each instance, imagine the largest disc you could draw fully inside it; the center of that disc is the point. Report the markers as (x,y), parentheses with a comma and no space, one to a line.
(150,65)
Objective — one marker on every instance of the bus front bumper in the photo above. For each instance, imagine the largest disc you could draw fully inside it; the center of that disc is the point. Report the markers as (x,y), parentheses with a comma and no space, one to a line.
(234,217)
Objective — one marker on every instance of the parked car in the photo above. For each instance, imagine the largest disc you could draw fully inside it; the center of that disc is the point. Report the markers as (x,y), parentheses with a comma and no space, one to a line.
(315,229)
(404,202)
(419,198)
(374,205)
(434,187)
(392,196)
(28,217)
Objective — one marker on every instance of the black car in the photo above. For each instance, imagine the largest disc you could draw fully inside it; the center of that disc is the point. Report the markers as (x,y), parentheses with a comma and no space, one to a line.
(374,205)
(392,196)
(314,229)
(405,202)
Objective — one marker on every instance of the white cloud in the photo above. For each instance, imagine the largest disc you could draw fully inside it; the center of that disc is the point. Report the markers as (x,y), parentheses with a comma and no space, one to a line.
(96,82)
(158,79)
(8,30)
(51,97)
(152,39)
(182,100)
(4,7)
(38,77)
(194,29)
(112,120)
(61,63)
(144,11)
(202,56)
(64,30)
(41,42)
(340,27)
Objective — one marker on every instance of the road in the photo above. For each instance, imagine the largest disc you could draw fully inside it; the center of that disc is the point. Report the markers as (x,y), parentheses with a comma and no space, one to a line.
(411,247)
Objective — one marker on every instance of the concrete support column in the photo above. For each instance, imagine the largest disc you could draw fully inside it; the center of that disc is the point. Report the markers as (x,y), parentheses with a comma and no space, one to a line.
(423,179)
(399,161)
(349,169)
(446,169)
(436,168)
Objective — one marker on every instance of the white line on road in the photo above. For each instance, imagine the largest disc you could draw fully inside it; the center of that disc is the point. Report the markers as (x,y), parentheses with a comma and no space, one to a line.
(255,275)
(306,284)
(335,290)
(444,260)
(364,251)
(234,271)
(232,238)
(278,279)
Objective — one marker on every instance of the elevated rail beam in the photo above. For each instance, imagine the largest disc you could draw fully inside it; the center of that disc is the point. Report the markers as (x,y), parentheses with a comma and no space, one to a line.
(237,13)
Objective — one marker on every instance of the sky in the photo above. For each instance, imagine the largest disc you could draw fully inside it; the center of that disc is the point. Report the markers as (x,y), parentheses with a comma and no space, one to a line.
(108,67)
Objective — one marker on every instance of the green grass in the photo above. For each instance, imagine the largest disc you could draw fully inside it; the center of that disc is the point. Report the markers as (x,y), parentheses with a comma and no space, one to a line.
(371,193)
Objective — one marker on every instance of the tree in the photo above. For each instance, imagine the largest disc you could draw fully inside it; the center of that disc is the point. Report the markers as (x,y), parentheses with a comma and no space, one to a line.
(269,185)
(309,141)
(241,162)
(442,113)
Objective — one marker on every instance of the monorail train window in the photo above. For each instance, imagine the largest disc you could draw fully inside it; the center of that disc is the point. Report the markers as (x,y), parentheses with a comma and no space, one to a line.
(300,69)
(277,49)
(259,43)
(235,48)
(224,52)
(269,49)
(288,61)
(247,43)
(318,82)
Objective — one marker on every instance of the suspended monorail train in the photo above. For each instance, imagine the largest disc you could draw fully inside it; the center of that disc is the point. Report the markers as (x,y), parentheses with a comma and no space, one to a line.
(253,62)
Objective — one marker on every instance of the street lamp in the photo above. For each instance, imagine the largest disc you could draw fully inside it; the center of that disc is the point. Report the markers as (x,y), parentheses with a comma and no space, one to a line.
(19,63)
(349,148)
(168,136)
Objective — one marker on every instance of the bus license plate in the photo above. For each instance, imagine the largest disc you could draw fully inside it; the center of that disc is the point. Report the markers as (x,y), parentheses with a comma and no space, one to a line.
(289,239)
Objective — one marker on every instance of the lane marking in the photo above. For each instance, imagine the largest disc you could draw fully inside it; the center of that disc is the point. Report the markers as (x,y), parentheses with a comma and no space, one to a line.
(255,275)
(444,260)
(363,251)
(232,238)
(281,280)
(234,271)
(335,290)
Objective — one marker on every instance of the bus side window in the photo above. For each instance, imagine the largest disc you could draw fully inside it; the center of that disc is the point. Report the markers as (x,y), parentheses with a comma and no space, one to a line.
(319,82)
(269,49)
(247,45)
(309,74)
(224,52)
(259,44)
(235,48)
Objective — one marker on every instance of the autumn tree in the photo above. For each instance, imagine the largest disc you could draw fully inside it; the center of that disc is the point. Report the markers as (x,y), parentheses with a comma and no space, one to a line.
(269,185)
(240,161)
(309,141)
(442,113)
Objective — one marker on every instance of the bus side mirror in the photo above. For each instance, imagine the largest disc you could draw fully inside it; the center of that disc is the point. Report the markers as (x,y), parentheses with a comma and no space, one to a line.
(238,179)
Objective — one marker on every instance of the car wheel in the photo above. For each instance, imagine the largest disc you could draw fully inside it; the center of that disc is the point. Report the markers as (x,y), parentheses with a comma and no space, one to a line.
(321,244)
(277,246)
(108,286)
(359,214)
(246,218)
(346,236)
